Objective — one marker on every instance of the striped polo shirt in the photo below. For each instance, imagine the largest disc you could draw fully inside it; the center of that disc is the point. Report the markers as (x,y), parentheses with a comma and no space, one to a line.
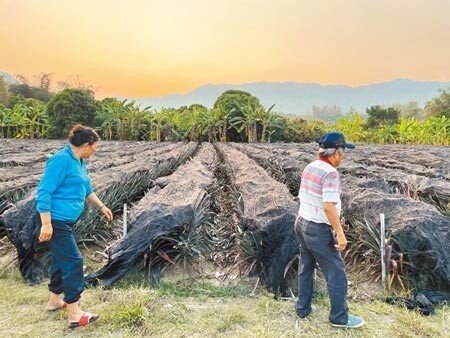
(319,184)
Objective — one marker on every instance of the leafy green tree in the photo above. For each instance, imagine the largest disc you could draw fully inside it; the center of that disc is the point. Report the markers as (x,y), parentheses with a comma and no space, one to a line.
(221,117)
(408,130)
(69,107)
(230,102)
(301,130)
(14,99)
(379,116)
(134,122)
(270,121)
(198,107)
(384,134)
(175,128)
(122,120)
(440,105)
(410,110)
(4,114)
(212,124)
(278,133)
(256,122)
(159,121)
(26,119)
(327,114)
(436,130)
(352,127)
(21,89)
(247,120)
(4,96)
(197,123)
(40,92)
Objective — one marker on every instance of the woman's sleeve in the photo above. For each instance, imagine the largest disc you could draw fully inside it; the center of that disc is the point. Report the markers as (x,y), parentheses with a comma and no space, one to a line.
(54,173)
(88,186)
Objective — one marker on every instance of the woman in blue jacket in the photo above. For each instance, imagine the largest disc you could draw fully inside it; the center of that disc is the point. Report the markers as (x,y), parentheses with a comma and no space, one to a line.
(60,200)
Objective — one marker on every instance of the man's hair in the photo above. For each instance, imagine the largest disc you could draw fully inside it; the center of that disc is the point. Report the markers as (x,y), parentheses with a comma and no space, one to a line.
(329,151)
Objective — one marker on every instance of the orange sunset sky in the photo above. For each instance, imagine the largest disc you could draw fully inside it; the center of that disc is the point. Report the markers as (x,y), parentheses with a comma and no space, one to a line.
(138,48)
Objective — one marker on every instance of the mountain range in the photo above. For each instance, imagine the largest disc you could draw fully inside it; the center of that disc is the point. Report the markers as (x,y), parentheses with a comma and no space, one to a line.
(8,78)
(293,98)
(298,98)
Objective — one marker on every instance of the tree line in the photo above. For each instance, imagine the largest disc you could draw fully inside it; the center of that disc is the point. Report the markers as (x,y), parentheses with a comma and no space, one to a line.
(28,111)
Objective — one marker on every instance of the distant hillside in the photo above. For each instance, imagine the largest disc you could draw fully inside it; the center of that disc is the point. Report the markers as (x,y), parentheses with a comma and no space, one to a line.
(298,98)
(8,78)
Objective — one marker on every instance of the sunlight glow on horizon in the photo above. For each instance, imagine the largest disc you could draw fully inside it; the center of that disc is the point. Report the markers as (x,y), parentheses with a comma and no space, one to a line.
(150,48)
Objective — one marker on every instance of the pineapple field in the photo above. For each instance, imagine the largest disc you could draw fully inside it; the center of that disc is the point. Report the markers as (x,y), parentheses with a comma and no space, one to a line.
(228,209)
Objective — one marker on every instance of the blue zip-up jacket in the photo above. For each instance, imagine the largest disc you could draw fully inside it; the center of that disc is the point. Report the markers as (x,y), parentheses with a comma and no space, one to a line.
(64,186)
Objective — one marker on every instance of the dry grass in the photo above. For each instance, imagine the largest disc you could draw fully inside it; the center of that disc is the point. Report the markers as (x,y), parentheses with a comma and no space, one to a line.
(199,309)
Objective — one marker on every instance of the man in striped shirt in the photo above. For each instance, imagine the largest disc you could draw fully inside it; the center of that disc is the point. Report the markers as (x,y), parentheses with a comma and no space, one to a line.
(320,233)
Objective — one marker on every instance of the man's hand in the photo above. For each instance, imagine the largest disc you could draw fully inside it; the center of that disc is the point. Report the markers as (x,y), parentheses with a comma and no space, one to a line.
(345,226)
(331,212)
(46,232)
(341,242)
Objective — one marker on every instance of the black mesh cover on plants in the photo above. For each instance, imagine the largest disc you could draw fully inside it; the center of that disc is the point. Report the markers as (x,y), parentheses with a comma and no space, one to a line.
(4,204)
(281,167)
(115,188)
(410,185)
(419,302)
(422,233)
(23,233)
(166,211)
(269,212)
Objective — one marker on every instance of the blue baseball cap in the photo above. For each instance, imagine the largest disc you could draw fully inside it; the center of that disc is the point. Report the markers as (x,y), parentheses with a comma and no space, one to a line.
(334,139)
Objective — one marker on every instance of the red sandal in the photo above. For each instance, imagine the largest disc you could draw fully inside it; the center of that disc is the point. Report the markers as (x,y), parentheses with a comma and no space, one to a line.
(85,319)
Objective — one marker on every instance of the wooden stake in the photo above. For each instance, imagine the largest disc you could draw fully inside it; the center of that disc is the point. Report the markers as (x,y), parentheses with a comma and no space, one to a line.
(125,220)
(383,250)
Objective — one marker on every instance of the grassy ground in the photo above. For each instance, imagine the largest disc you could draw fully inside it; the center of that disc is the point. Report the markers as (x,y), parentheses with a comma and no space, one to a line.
(197,308)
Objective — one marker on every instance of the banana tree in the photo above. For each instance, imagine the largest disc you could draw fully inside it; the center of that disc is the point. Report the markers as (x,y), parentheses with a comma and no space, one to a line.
(222,118)
(38,120)
(217,125)
(194,123)
(19,121)
(269,119)
(210,122)
(111,114)
(351,127)
(247,122)
(158,123)
(133,122)
(407,130)
(4,115)
(437,130)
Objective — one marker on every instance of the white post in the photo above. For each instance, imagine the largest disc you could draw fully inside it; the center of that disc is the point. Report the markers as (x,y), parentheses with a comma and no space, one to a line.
(383,250)
(124,220)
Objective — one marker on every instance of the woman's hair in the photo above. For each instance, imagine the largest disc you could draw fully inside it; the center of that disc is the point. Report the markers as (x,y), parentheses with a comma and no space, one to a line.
(80,135)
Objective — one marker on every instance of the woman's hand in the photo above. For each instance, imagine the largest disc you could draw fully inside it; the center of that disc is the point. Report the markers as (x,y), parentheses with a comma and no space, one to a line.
(46,232)
(107,213)
(92,198)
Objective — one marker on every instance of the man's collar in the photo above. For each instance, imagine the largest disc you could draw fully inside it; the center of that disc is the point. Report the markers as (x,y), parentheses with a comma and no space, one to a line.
(325,159)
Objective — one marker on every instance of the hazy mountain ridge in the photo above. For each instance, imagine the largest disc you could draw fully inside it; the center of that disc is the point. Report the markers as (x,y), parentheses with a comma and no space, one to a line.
(8,78)
(298,98)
